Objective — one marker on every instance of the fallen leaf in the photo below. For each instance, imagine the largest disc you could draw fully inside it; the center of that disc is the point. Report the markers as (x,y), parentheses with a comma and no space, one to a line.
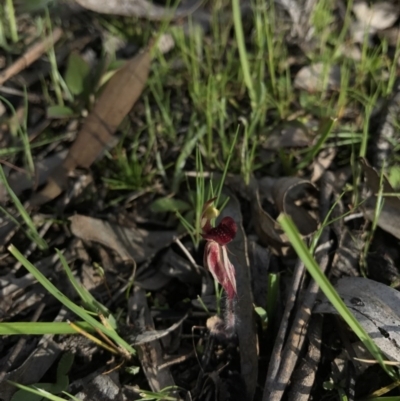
(269,230)
(113,104)
(150,354)
(129,242)
(290,134)
(140,8)
(376,306)
(389,217)
(287,192)
(380,15)
(21,180)
(105,387)
(34,366)
(318,77)
(322,162)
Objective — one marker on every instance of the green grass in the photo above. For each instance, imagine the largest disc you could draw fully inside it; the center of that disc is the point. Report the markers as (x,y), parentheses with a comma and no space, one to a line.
(106,326)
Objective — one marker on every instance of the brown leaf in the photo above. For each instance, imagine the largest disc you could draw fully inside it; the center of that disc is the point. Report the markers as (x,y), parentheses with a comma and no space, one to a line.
(376,307)
(129,242)
(114,103)
(150,354)
(289,134)
(389,217)
(140,8)
(287,192)
(268,230)
(316,78)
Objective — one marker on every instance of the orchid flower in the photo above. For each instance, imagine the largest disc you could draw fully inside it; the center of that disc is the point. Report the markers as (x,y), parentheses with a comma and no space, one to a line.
(216,258)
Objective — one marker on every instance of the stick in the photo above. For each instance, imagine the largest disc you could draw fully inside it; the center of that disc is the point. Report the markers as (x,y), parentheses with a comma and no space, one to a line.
(31,55)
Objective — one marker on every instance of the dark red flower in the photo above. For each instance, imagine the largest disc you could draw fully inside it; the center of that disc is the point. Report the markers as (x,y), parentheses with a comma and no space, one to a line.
(215,253)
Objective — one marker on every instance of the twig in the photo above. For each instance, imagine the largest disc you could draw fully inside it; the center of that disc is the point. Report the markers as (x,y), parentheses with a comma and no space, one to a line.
(304,377)
(188,255)
(274,365)
(31,55)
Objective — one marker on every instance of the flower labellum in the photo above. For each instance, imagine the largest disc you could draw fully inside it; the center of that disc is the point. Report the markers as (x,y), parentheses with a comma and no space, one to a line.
(215,254)
(217,261)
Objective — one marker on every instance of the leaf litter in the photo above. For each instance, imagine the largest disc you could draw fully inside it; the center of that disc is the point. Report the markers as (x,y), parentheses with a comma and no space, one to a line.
(189,332)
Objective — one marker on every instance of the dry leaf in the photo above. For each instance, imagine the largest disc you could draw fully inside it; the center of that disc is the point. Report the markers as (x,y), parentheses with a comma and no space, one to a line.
(130,243)
(380,15)
(289,134)
(322,162)
(114,103)
(150,354)
(21,181)
(100,387)
(139,8)
(268,230)
(316,77)
(376,306)
(287,192)
(389,217)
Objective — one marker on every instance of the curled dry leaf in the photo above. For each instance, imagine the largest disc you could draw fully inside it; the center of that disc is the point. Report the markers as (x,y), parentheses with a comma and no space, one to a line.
(114,103)
(269,230)
(287,195)
(376,306)
(389,216)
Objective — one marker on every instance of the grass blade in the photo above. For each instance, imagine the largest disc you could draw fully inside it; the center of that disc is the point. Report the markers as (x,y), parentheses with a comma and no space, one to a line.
(82,313)
(31,232)
(40,328)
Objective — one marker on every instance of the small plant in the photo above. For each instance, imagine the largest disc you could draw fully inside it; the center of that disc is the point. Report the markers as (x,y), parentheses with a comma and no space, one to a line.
(216,258)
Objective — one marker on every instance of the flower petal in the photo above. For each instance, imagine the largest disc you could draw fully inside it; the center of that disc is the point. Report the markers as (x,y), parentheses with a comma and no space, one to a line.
(209,212)
(216,260)
(224,232)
